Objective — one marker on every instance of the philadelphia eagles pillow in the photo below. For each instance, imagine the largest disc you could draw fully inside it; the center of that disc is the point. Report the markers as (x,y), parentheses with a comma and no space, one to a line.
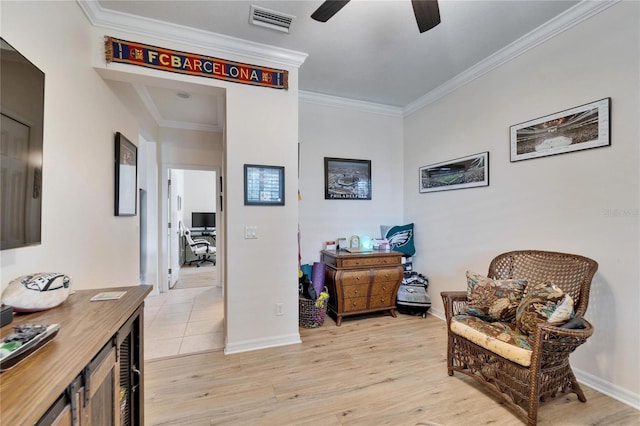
(37,292)
(400,238)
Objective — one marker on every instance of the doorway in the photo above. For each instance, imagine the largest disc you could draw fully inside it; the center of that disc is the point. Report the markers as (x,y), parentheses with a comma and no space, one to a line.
(181,127)
(189,316)
(193,208)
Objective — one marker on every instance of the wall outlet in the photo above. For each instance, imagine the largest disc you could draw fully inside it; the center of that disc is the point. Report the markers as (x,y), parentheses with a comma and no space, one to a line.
(279,308)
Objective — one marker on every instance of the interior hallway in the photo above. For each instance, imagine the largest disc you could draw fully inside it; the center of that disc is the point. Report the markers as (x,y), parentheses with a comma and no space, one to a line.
(186,319)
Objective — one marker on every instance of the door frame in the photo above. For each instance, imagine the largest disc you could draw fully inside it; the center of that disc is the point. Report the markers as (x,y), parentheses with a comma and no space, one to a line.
(163,220)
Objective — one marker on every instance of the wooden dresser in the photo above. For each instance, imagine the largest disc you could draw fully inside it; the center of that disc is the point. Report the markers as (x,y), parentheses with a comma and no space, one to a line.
(365,282)
(91,373)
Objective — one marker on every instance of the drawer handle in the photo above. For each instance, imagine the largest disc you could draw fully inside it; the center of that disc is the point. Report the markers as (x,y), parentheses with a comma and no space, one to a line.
(384,287)
(356,291)
(357,277)
(382,299)
(354,303)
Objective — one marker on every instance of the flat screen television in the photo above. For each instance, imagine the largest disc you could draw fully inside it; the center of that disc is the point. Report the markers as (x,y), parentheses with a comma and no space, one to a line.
(22,116)
(203,220)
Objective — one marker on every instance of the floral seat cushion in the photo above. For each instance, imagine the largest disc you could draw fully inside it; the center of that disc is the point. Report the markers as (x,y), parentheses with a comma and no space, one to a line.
(501,338)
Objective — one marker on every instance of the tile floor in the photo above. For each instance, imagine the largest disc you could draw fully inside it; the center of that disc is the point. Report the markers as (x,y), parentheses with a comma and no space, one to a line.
(183,321)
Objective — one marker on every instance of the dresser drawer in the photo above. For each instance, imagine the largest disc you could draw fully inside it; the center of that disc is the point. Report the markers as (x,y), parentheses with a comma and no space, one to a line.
(370,261)
(388,274)
(355,304)
(383,288)
(355,277)
(381,300)
(358,290)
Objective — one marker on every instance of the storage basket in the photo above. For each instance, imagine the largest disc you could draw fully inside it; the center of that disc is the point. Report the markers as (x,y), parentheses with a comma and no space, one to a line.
(311,316)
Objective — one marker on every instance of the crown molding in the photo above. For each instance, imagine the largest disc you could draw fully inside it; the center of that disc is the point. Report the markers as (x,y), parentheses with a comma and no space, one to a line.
(351,104)
(566,20)
(199,39)
(252,51)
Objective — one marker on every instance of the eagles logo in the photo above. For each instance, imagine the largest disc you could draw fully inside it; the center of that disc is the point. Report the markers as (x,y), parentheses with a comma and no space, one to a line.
(400,238)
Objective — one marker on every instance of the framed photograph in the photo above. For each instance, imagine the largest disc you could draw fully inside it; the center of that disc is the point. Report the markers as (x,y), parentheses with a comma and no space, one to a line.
(126,177)
(346,179)
(263,185)
(465,172)
(575,129)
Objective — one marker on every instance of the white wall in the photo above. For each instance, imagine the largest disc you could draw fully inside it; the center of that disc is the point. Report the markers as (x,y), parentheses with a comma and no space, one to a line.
(355,134)
(583,202)
(200,191)
(191,148)
(148,180)
(262,128)
(80,234)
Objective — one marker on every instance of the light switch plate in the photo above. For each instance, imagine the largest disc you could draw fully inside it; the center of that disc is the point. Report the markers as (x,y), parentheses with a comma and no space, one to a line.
(250,232)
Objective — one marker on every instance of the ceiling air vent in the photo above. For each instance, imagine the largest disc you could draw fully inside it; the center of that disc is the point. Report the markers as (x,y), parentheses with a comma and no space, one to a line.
(270,19)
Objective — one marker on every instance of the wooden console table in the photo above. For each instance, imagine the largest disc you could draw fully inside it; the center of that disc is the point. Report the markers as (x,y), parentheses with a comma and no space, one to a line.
(90,373)
(365,282)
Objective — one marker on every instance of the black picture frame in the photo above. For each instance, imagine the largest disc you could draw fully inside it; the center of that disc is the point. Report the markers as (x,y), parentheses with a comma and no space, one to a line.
(466,172)
(263,185)
(126,177)
(347,179)
(583,127)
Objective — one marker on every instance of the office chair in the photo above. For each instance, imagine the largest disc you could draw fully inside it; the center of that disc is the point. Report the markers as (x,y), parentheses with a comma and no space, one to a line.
(201,248)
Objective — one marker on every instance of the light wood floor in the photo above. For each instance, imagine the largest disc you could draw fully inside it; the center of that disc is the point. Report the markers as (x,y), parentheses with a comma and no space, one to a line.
(376,370)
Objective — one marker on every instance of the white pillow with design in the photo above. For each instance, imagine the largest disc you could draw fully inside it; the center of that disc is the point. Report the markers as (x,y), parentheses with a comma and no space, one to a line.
(37,292)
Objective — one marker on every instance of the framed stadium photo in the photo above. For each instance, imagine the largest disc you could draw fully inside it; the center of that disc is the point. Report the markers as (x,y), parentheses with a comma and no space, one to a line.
(465,172)
(575,129)
(346,179)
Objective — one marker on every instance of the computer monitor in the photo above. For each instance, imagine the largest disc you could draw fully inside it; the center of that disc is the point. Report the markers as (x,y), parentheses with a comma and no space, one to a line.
(203,220)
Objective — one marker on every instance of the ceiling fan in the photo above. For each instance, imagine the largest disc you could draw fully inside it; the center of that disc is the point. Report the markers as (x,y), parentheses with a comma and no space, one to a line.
(426,11)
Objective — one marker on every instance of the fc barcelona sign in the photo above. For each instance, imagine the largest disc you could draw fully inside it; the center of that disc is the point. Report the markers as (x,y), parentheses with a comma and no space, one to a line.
(144,55)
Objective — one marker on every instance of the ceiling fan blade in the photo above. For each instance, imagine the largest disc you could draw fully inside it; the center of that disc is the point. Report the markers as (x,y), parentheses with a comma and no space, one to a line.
(427,14)
(328,9)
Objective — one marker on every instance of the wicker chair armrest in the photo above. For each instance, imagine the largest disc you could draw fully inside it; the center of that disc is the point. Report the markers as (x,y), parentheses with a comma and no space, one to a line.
(556,343)
(455,303)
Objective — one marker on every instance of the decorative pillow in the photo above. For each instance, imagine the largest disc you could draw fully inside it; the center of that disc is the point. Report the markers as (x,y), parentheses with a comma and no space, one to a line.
(493,300)
(37,292)
(543,302)
(400,238)
(574,323)
(563,311)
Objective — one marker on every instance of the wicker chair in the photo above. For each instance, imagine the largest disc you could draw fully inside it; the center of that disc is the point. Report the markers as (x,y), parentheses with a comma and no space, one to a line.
(549,373)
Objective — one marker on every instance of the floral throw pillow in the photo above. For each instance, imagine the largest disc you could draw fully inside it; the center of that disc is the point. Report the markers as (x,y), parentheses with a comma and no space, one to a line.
(543,302)
(493,300)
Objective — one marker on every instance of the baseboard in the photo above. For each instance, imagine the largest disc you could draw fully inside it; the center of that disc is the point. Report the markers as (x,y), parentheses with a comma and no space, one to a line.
(437,313)
(616,392)
(255,344)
